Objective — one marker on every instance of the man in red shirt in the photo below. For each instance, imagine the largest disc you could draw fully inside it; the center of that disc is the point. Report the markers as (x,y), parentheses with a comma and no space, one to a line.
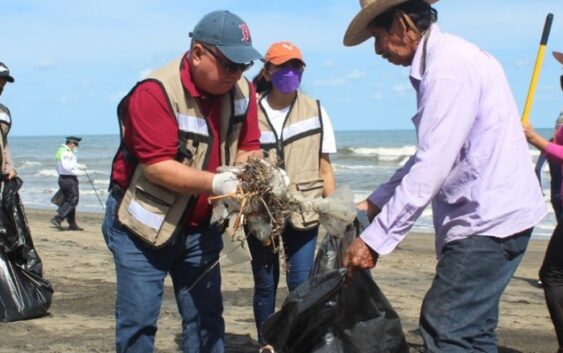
(178,126)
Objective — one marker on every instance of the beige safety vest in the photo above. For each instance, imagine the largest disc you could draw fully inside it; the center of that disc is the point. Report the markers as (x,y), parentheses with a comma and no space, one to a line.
(298,151)
(153,212)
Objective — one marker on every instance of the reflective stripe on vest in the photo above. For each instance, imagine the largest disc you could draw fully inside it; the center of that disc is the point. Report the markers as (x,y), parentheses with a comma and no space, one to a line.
(301,127)
(192,124)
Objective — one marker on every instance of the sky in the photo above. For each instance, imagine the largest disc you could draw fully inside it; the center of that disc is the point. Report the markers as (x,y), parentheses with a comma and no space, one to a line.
(73,60)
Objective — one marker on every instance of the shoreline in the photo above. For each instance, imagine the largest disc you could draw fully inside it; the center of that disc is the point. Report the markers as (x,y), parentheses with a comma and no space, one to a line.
(81,317)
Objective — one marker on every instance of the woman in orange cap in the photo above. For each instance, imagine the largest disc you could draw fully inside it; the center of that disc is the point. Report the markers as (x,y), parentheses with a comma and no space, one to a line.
(297,135)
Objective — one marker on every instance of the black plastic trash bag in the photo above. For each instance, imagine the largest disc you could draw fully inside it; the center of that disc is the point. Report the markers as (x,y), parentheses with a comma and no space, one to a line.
(332,314)
(59,198)
(24,293)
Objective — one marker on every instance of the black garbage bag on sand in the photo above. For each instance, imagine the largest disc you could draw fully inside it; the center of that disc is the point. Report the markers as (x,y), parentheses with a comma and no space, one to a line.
(332,314)
(24,293)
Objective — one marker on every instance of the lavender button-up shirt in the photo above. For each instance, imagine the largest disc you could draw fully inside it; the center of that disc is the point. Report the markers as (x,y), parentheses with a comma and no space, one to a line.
(472,160)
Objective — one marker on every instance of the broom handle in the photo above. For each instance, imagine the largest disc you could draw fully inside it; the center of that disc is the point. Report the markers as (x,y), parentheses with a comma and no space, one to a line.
(537,68)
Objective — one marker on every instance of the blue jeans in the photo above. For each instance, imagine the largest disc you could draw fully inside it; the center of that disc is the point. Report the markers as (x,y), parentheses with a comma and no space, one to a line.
(460,311)
(141,270)
(300,251)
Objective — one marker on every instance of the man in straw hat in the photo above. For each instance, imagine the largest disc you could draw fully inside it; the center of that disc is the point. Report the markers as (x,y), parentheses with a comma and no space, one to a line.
(471,162)
(551,272)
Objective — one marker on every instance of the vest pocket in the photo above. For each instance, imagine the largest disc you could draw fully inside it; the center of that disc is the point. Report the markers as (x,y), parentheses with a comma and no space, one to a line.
(155,193)
(149,211)
(311,187)
(149,205)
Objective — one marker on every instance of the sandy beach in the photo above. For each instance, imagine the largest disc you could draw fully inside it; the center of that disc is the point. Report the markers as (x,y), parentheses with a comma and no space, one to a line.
(81,319)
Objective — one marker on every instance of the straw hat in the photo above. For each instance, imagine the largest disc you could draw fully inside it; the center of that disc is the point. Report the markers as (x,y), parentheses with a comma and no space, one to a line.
(558,56)
(357,31)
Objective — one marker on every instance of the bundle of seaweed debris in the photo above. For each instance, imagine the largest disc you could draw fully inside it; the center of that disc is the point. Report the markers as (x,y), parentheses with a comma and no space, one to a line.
(264,199)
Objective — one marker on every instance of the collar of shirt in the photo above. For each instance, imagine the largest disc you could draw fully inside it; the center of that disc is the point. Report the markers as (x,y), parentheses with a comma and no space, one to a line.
(416,66)
(205,100)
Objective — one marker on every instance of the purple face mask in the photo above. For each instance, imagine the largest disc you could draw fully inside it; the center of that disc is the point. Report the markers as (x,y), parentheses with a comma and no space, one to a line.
(287,79)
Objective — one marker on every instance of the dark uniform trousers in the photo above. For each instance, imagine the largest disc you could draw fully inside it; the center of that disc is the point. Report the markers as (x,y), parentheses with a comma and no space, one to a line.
(69,187)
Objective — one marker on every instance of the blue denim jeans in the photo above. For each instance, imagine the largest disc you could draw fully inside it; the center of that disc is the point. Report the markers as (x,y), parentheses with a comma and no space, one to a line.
(300,251)
(140,273)
(460,311)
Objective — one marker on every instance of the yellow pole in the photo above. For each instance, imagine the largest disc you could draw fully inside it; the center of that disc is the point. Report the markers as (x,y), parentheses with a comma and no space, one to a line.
(537,68)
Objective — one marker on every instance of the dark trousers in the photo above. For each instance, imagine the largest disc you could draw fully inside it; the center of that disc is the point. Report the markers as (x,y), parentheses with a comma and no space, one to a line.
(69,187)
(551,275)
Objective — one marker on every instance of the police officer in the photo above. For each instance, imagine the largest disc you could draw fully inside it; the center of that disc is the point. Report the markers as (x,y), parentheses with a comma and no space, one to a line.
(68,170)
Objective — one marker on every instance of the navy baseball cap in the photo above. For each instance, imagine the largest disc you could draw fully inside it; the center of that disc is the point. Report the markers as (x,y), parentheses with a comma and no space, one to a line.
(74,139)
(228,33)
(5,73)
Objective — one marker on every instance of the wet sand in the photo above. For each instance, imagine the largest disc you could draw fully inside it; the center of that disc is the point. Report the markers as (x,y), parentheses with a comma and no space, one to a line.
(81,317)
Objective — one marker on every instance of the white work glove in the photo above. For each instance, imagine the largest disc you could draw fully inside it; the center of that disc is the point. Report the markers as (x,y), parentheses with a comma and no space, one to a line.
(224,183)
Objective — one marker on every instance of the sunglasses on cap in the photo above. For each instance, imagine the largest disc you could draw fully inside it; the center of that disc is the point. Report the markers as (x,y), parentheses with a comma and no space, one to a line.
(227,65)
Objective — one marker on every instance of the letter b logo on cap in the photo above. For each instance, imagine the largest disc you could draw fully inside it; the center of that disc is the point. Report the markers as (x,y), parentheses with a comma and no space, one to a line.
(245,33)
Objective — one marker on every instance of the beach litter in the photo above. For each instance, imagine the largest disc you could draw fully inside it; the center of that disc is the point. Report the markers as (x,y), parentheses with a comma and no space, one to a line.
(266,199)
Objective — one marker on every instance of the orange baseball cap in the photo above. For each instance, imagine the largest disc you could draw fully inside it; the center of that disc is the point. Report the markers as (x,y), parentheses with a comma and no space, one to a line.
(282,52)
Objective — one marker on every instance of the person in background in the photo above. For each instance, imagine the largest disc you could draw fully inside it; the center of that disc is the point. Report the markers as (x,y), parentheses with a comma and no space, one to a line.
(471,162)
(296,135)
(68,170)
(554,173)
(7,166)
(551,271)
(177,127)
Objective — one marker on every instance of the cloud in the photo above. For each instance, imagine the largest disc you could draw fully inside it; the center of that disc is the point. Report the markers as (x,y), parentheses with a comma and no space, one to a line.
(329,64)
(522,63)
(117,96)
(66,99)
(356,75)
(341,81)
(145,72)
(46,64)
(335,81)
(400,87)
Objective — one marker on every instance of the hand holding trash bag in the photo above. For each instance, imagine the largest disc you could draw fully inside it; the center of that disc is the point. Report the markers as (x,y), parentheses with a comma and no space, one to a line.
(359,256)
(335,311)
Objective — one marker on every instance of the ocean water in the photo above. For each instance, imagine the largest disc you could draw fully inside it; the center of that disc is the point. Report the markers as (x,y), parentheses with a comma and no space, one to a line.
(364,160)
